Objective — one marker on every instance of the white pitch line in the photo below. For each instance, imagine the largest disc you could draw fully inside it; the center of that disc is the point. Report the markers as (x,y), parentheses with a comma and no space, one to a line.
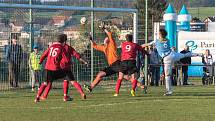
(122,103)
(88,106)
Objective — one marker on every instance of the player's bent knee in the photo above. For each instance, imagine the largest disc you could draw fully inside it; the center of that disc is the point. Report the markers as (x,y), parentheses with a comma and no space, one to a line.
(101,74)
(72,82)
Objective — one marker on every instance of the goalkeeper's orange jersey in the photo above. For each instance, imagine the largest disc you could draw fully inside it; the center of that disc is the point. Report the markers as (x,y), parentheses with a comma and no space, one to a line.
(110,49)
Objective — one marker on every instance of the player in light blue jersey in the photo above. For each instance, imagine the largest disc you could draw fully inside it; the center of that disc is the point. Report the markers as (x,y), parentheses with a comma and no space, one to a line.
(169,57)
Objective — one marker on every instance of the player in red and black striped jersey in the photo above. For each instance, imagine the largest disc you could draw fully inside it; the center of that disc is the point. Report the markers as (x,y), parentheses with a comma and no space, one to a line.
(66,66)
(53,71)
(128,63)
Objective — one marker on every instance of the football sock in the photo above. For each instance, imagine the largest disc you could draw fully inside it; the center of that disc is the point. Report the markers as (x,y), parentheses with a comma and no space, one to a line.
(65,87)
(78,87)
(134,84)
(40,91)
(48,88)
(118,85)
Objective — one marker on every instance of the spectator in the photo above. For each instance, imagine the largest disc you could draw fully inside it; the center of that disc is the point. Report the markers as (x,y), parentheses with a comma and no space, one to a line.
(174,70)
(140,65)
(14,57)
(35,67)
(162,76)
(155,61)
(207,60)
(185,62)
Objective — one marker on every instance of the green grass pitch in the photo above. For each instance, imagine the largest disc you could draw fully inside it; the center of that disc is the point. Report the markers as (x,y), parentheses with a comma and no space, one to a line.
(189,103)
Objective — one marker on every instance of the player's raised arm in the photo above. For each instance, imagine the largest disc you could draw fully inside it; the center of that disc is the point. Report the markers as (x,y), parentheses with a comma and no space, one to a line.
(141,49)
(96,46)
(109,34)
(43,56)
(78,56)
(148,44)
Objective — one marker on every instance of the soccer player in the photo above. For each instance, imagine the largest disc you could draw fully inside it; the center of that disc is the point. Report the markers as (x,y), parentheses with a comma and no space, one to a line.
(53,71)
(169,57)
(66,66)
(128,63)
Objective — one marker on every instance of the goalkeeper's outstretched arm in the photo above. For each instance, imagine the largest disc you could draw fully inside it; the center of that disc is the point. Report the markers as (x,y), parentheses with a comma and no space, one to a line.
(95,46)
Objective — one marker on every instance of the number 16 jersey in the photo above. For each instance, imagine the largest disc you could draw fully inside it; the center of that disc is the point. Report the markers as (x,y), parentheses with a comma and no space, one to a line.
(54,55)
(129,50)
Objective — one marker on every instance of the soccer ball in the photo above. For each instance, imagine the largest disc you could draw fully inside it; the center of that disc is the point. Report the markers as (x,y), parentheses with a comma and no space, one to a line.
(83,20)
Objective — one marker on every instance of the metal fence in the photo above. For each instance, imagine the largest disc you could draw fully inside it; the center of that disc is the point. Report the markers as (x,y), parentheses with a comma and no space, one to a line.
(206,77)
(40,26)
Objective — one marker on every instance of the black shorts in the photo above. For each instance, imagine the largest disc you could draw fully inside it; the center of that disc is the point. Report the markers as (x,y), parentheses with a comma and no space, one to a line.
(54,75)
(128,67)
(112,69)
(69,75)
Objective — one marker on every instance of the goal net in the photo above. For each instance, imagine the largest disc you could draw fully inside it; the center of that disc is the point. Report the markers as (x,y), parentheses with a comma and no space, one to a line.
(39,24)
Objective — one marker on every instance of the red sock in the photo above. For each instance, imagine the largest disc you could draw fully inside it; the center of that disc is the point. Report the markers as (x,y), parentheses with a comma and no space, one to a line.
(48,88)
(40,91)
(134,84)
(78,87)
(65,87)
(118,85)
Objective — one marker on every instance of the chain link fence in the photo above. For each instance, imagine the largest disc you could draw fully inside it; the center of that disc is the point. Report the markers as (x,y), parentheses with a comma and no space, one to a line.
(43,25)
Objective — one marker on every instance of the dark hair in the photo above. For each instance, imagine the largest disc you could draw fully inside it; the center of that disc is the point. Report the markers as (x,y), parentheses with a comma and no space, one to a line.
(163,33)
(129,37)
(62,38)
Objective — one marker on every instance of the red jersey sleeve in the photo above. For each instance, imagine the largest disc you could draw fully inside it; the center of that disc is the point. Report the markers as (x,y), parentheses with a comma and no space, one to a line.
(141,49)
(75,53)
(43,56)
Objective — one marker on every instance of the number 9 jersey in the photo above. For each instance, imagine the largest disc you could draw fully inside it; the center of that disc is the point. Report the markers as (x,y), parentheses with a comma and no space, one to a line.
(129,50)
(54,55)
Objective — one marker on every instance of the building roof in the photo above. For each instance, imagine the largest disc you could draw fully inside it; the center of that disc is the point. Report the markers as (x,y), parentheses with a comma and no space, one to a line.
(210,19)
(59,19)
(41,21)
(18,23)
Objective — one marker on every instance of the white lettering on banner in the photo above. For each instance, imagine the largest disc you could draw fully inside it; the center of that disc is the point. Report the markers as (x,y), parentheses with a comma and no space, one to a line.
(198,42)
